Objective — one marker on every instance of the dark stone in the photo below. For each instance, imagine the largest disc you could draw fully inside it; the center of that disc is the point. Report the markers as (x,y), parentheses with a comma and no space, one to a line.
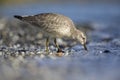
(106,51)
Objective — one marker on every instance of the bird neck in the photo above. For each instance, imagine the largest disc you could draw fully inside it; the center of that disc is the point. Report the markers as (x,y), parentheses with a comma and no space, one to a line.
(74,34)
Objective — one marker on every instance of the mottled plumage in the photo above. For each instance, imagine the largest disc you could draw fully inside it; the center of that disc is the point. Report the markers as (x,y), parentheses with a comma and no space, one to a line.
(55,26)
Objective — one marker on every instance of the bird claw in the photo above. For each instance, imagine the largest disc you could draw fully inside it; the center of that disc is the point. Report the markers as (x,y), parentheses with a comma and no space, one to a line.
(47,52)
(60,50)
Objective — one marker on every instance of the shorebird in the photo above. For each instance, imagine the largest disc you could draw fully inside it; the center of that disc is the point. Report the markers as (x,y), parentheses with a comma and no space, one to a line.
(54,26)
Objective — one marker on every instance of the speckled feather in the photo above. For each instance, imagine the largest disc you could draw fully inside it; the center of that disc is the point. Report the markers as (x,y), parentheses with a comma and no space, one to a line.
(51,24)
(55,26)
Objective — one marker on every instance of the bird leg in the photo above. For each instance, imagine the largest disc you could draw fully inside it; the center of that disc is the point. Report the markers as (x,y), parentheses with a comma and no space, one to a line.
(47,45)
(56,45)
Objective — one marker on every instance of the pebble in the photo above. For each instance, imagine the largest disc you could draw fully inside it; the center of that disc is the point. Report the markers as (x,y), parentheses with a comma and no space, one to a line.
(59,54)
(1,53)
(9,52)
(106,51)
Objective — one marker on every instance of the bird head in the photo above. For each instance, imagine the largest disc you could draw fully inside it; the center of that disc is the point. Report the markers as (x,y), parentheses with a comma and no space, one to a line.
(80,37)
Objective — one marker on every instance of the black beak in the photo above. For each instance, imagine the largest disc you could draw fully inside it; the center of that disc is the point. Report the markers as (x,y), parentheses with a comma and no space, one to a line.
(84,45)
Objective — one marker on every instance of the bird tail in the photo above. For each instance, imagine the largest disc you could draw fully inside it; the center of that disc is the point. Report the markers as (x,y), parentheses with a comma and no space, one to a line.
(18,17)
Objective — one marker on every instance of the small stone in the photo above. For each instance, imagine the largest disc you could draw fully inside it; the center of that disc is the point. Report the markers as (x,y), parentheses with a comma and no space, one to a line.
(66,53)
(1,53)
(106,51)
(13,54)
(59,54)
(32,53)
(22,53)
(42,56)
(101,52)
(38,53)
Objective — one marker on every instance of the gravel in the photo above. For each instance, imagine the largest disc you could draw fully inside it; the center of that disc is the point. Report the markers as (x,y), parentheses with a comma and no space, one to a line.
(23,57)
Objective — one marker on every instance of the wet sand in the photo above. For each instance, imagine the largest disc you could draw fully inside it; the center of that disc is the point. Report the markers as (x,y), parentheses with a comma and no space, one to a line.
(22,54)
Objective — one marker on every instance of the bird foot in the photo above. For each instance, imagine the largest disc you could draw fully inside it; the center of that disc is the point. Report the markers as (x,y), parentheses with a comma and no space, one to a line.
(47,52)
(60,50)
(60,53)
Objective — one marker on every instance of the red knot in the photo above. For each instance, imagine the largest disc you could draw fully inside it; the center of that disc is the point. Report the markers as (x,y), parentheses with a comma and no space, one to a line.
(54,26)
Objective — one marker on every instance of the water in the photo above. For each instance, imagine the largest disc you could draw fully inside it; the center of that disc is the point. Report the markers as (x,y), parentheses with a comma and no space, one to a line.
(102,13)
(101,62)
